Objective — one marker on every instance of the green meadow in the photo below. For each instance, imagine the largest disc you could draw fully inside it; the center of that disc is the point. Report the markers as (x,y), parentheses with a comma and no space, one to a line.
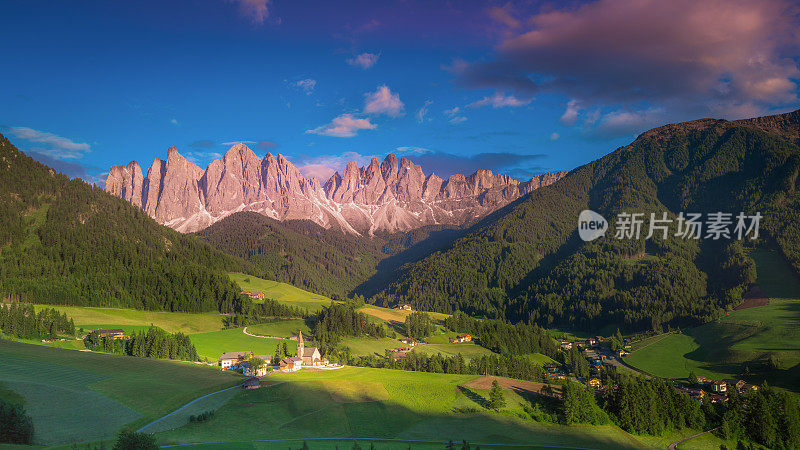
(379,404)
(368,346)
(77,396)
(282,292)
(280,327)
(751,338)
(172,322)
(212,345)
(467,349)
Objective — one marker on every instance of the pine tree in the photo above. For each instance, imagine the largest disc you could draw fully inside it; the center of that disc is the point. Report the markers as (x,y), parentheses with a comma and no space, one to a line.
(496,398)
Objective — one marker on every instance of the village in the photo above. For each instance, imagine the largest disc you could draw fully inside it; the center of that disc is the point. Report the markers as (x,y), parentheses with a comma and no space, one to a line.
(600,356)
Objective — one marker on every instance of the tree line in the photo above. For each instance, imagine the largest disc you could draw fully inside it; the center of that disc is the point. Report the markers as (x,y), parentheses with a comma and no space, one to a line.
(341,319)
(16,427)
(153,343)
(21,320)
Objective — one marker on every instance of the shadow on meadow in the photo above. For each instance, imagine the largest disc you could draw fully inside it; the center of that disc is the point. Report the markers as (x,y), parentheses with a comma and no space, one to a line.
(413,411)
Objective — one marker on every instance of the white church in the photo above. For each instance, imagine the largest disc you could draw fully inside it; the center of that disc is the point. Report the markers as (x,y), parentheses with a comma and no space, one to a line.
(306,357)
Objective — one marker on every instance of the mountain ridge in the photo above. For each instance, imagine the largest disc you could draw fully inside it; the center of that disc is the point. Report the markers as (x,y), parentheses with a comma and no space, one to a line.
(391,196)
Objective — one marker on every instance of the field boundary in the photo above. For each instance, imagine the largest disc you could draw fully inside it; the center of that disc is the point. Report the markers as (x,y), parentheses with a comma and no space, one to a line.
(661,338)
(187,405)
(376,440)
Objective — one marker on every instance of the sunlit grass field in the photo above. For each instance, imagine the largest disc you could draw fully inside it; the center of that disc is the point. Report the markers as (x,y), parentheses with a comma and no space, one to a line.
(172,322)
(77,396)
(750,337)
(280,327)
(212,345)
(282,292)
(378,403)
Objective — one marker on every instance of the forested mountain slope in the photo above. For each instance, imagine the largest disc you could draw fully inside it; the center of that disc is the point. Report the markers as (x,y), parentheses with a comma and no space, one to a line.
(321,260)
(63,241)
(526,261)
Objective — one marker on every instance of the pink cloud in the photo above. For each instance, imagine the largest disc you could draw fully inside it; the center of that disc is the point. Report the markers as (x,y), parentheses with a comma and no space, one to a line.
(500,100)
(685,55)
(256,10)
(383,101)
(345,125)
(364,60)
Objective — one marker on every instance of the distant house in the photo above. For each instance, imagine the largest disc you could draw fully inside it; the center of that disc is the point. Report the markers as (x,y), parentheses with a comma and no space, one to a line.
(233,360)
(591,342)
(595,383)
(623,353)
(552,368)
(404,306)
(719,386)
(399,355)
(461,338)
(114,333)
(253,295)
(738,384)
(703,380)
(599,338)
(251,383)
(565,344)
(409,341)
(247,368)
(291,363)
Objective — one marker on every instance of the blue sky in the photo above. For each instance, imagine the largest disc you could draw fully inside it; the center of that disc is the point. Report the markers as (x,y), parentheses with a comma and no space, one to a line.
(520,88)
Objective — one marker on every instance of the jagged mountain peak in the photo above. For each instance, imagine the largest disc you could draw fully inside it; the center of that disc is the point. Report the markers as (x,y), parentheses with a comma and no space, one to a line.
(388,196)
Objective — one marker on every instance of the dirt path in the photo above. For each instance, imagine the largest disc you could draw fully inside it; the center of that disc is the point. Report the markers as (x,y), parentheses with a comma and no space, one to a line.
(674,445)
(259,336)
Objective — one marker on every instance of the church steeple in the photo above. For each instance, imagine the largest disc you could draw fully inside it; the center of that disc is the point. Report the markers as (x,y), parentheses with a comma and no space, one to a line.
(300,345)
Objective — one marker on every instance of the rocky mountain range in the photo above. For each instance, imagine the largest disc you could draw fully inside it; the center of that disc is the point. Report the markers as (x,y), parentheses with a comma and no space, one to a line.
(392,196)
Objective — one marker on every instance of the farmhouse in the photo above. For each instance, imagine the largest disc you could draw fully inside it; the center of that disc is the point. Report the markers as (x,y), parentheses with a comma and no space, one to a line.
(623,353)
(233,360)
(719,386)
(115,333)
(565,344)
(461,338)
(251,383)
(409,341)
(404,306)
(595,383)
(291,363)
(253,295)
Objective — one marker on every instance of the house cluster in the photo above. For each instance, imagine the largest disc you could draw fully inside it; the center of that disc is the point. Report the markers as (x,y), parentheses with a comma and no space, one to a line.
(253,295)
(241,361)
(716,390)
(461,338)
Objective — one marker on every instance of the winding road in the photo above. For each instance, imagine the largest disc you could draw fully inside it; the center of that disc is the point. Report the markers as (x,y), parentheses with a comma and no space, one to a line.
(674,445)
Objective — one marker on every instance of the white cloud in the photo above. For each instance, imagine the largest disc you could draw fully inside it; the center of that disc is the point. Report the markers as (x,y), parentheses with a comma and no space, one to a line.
(454,115)
(53,145)
(423,111)
(554,136)
(500,100)
(364,60)
(383,101)
(345,125)
(307,85)
(232,143)
(323,166)
(571,113)
(174,121)
(413,150)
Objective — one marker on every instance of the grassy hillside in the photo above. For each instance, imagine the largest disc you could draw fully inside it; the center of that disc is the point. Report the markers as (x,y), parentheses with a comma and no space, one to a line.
(65,242)
(173,322)
(378,403)
(526,261)
(82,396)
(764,339)
(282,292)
